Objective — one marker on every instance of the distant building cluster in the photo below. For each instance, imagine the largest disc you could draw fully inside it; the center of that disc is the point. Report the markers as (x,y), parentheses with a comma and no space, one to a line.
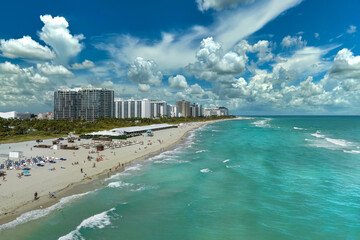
(15,115)
(91,104)
(215,110)
(94,103)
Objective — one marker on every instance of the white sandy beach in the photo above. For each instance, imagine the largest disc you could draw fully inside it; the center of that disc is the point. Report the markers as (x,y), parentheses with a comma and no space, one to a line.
(17,194)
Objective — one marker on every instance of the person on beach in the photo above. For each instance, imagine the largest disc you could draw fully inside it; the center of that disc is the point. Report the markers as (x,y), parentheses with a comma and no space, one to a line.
(81,170)
(35,196)
(53,195)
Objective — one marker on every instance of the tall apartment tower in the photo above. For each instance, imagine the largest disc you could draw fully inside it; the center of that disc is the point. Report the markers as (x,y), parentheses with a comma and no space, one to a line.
(172,111)
(128,108)
(88,104)
(183,108)
(139,108)
(196,110)
(158,108)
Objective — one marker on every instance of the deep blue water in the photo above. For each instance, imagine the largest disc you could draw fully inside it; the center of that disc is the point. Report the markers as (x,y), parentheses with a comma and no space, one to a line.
(265,178)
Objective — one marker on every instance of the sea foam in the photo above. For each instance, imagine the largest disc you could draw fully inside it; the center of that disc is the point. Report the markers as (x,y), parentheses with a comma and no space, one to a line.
(142,187)
(339,142)
(39,213)
(324,141)
(205,170)
(318,135)
(200,151)
(352,151)
(119,184)
(171,161)
(262,123)
(99,221)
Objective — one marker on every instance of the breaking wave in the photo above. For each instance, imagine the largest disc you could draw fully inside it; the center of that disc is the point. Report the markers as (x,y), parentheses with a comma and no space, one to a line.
(98,221)
(205,170)
(200,151)
(262,123)
(352,151)
(39,213)
(324,141)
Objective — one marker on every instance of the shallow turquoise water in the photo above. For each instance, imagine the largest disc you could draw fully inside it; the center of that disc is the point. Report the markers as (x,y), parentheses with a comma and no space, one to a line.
(266,178)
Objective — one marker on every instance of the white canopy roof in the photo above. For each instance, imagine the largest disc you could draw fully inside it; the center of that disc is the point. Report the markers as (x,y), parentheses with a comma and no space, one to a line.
(129,130)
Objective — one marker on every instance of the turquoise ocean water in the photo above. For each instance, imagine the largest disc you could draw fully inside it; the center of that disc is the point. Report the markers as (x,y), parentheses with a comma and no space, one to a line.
(265,178)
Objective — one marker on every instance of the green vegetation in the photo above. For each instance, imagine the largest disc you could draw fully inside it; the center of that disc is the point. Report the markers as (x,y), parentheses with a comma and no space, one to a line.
(16,130)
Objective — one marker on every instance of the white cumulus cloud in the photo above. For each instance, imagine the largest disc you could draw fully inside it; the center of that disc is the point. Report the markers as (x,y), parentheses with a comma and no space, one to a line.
(25,47)
(145,73)
(289,42)
(84,65)
(9,68)
(194,89)
(212,62)
(178,82)
(56,34)
(144,87)
(346,65)
(53,70)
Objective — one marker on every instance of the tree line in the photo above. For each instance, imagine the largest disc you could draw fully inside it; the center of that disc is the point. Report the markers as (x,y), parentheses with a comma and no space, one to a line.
(38,127)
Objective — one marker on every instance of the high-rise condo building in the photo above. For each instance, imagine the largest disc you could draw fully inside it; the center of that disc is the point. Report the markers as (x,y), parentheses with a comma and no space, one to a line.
(196,110)
(172,111)
(139,108)
(183,108)
(88,104)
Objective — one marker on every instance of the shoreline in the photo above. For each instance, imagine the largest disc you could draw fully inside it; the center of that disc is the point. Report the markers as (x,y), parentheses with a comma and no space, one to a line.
(94,181)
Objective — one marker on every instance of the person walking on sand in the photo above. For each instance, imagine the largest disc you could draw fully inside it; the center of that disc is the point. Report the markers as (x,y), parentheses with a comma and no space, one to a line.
(35,196)
(81,170)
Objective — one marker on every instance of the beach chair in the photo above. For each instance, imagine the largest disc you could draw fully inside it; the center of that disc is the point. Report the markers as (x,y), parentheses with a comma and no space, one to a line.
(2,166)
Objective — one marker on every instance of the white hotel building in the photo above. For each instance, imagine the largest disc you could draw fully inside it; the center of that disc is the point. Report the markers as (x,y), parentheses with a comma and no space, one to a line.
(141,108)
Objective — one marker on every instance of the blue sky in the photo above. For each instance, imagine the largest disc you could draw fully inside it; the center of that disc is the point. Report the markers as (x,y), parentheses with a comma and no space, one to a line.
(253,56)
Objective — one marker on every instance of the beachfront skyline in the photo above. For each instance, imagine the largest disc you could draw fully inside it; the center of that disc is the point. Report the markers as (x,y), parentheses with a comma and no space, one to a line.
(255,56)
